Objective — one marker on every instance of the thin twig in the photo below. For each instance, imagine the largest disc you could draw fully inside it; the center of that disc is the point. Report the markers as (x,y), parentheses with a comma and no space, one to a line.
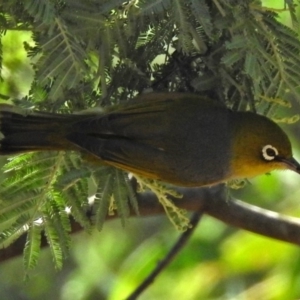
(181,242)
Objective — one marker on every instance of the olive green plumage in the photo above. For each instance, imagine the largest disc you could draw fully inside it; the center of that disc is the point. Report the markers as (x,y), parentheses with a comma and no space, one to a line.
(184,139)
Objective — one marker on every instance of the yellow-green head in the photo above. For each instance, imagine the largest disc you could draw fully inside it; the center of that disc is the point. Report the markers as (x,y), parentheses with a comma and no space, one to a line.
(259,146)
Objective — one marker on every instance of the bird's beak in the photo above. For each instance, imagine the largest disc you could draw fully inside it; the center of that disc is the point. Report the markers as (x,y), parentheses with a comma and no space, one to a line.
(291,164)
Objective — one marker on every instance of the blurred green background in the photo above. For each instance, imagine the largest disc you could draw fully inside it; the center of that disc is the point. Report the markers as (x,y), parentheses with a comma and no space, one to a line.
(219,262)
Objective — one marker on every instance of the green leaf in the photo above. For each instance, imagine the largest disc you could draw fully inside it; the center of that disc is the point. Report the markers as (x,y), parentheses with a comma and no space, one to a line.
(32,246)
(103,198)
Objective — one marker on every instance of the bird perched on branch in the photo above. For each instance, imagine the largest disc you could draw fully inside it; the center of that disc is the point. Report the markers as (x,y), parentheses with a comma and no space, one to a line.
(183,139)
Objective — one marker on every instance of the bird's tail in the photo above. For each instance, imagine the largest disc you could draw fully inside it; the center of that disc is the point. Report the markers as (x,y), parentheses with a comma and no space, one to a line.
(30,131)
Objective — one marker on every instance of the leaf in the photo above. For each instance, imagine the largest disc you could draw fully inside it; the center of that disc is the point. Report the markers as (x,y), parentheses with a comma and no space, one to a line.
(9,235)
(53,241)
(120,197)
(42,10)
(201,12)
(176,215)
(102,198)
(154,7)
(230,58)
(32,246)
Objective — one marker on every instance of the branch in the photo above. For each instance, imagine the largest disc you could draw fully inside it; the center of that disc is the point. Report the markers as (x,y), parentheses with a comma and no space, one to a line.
(180,243)
(216,203)
(212,201)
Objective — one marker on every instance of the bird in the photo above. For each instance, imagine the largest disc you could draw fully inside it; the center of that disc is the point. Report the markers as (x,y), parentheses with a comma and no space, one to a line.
(183,139)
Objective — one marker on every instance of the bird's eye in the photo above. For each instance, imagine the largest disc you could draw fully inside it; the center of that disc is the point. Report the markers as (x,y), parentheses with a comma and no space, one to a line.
(269,152)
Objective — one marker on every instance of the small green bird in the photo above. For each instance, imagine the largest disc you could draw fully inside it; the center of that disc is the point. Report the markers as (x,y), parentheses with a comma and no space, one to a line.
(183,139)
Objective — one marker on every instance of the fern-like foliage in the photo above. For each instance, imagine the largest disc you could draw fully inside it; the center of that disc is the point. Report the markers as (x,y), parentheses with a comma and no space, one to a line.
(30,202)
(268,57)
(42,11)
(102,52)
(176,215)
(114,194)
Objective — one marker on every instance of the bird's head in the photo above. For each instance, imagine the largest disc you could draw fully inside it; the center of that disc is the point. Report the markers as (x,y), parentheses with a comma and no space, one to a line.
(259,146)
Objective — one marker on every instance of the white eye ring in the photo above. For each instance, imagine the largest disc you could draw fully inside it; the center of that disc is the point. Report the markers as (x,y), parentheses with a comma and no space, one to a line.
(269,152)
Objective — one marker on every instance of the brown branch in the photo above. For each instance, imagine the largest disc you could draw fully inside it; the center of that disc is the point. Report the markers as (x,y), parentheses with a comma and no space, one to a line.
(214,202)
